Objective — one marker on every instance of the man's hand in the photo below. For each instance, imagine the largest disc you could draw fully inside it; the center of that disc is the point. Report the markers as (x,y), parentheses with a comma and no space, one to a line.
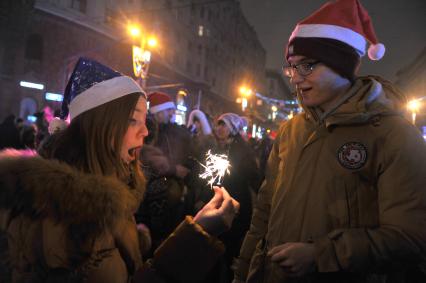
(297,259)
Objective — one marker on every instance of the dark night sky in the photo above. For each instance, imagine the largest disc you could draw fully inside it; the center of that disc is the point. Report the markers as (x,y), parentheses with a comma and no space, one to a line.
(400,25)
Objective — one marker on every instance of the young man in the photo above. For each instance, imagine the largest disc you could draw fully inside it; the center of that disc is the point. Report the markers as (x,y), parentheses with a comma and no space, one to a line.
(344,198)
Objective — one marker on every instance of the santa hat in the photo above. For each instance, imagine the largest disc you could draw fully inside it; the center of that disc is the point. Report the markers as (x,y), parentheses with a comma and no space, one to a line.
(341,24)
(92,84)
(159,101)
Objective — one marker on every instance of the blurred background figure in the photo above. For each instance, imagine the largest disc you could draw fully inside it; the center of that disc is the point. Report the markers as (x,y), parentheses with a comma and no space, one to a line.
(167,159)
(242,183)
(9,133)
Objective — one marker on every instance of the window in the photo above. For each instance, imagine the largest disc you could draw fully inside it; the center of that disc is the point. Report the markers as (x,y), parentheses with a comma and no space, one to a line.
(200,49)
(200,30)
(34,47)
(79,5)
(202,10)
(198,70)
(206,72)
(188,66)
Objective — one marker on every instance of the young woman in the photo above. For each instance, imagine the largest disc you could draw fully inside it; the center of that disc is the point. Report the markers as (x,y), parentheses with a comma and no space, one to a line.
(68,215)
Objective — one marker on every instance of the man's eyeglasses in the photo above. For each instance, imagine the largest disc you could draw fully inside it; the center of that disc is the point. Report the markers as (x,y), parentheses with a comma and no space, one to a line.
(304,69)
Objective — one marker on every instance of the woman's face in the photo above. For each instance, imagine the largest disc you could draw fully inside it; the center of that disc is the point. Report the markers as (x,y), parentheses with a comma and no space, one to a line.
(136,132)
(221,130)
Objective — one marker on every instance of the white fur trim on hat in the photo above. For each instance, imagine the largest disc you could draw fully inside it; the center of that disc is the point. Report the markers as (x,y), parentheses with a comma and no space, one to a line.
(376,51)
(205,126)
(102,93)
(161,107)
(346,35)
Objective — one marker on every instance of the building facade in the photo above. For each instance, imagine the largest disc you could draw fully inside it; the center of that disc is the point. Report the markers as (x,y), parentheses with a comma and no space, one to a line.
(412,81)
(207,49)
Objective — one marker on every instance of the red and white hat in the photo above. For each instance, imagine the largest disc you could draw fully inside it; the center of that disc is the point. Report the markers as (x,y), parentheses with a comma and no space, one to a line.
(159,101)
(343,20)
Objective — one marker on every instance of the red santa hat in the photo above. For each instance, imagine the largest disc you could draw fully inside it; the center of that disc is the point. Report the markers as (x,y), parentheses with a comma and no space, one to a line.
(159,101)
(340,25)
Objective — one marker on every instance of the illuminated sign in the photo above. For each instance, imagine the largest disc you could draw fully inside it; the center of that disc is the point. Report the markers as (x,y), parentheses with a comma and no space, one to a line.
(54,96)
(31,85)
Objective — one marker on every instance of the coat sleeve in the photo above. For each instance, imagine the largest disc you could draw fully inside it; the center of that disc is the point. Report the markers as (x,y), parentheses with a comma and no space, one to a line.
(259,221)
(400,237)
(187,255)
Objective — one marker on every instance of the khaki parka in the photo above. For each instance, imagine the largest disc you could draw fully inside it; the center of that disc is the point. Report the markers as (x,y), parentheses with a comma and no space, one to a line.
(352,182)
(58,224)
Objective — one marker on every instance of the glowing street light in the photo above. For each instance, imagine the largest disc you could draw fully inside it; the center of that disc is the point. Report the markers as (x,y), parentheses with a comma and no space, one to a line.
(414,106)
(141,53)
(152,42)
(134,30)
(246,91)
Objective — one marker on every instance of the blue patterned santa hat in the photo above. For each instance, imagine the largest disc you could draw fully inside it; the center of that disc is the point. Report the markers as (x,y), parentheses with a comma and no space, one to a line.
(92,84)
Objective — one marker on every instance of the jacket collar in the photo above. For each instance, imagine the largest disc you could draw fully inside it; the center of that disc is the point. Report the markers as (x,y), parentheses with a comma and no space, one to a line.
(368,97)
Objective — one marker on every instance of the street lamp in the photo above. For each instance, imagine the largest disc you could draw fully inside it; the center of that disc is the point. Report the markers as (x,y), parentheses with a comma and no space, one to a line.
(414,106)
(246,93)
(141,53)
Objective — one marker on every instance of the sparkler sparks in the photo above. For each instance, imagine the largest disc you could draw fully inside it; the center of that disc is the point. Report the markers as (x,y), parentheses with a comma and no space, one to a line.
(217,165)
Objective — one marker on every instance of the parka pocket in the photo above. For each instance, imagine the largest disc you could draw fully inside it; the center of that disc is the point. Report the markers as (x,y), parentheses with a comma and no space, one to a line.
(344,209)
(353,203)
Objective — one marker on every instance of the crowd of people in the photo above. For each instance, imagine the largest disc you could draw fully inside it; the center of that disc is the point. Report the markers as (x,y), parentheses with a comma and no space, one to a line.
(115,195)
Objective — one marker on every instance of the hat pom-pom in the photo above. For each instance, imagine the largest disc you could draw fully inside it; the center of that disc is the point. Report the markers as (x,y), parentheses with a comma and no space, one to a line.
(57,125)
(376,51)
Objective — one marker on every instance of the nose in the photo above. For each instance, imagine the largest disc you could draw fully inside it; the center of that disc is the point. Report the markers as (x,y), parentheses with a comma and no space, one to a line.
(296,78)
(143,131)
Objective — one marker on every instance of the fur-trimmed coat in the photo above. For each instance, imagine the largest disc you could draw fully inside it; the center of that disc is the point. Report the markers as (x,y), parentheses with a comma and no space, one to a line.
(63,225)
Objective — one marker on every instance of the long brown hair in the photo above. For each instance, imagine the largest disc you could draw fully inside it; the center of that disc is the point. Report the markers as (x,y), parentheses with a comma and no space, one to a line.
(93,140)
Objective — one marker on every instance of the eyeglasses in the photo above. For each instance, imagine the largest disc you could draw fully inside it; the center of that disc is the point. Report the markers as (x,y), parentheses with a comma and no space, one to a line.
(303,69)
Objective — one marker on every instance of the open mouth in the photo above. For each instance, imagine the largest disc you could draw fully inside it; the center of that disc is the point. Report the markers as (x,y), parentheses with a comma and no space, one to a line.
(132,153)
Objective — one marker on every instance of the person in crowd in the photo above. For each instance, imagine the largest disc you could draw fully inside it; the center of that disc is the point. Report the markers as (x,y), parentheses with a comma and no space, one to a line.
(344,197)
(68,214)
(9,133)
(168,164)
(203,140)
(242,183)
(42,125)
(201,131)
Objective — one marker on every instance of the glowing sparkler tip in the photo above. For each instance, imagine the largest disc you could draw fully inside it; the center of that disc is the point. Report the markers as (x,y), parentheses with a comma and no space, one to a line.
(217,165)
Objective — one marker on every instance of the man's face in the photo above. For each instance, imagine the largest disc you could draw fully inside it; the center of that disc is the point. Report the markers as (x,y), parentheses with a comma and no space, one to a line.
(165,116)
(320,88)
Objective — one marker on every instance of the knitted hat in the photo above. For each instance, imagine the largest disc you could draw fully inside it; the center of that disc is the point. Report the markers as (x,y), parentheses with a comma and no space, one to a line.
(234,122)
(92,84)
(337,35)
(159,101)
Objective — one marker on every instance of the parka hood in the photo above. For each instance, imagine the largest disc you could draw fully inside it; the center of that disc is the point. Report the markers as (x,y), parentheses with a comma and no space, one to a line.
(369,96)
(39,187)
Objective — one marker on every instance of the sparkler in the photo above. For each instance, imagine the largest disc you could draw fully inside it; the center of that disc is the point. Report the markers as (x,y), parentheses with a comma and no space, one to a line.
(217,165)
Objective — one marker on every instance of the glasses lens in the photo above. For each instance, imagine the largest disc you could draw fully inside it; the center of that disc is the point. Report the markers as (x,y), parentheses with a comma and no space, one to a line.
(304,69)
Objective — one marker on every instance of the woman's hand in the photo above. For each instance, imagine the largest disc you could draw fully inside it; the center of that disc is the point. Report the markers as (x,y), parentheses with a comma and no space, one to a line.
(217,215)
